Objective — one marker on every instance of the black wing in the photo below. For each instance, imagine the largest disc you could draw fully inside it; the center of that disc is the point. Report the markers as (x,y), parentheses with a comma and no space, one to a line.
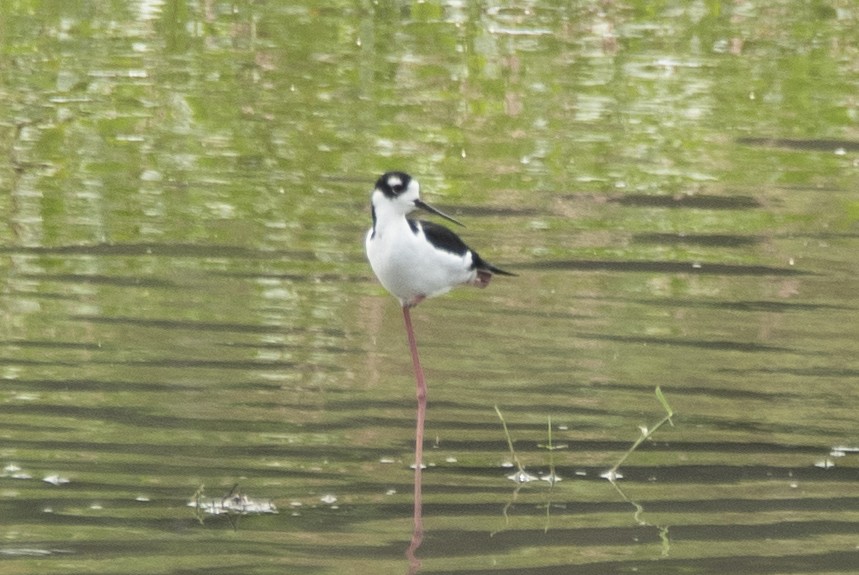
(441,237)
(444,239)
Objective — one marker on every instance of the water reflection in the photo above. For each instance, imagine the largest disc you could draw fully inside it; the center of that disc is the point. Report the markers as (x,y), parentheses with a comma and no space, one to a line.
(418,524)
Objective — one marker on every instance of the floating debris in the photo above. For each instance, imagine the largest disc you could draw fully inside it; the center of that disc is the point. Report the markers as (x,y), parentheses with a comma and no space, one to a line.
(55,479)
(825,463)
(240,505)
(32,552)
(15,472)
(328,499)
(611,475)
(24,552)
(296,506)
(522,476)
(234,503)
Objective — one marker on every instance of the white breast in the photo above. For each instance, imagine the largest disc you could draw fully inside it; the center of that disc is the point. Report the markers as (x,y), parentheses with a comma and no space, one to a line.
(410,267)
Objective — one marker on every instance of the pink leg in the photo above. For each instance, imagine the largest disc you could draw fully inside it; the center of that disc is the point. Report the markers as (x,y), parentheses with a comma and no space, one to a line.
(418,533)
(421,386)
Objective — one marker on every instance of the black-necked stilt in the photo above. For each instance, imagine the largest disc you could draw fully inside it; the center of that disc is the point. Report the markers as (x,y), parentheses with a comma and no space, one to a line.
(417,259)
(414,260)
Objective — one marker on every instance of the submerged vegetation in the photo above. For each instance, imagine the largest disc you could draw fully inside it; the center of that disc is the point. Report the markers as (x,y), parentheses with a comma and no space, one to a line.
(521,476)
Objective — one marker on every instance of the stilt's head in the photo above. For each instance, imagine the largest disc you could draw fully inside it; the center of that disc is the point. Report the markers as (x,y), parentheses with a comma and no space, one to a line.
(397,194)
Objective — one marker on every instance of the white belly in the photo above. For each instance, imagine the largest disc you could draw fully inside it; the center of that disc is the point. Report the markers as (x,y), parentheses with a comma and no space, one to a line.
(411,268)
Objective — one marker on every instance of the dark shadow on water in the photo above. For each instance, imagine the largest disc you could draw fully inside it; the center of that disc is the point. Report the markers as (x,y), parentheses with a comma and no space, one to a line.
(724,345)
(818,371)
(489,211)
(836,561)
(662,267)
(161,250)
(779,306)
(696,201)
(198,326)
(707,240)
(101,279)
(450,543)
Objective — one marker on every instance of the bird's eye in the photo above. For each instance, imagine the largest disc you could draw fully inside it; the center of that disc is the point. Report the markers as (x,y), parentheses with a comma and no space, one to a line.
(396,185)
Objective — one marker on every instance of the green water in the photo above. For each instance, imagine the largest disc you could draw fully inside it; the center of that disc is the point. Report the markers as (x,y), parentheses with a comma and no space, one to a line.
(186,304)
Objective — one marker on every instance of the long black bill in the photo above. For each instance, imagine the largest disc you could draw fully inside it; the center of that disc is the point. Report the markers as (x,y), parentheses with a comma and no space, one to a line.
(425,206)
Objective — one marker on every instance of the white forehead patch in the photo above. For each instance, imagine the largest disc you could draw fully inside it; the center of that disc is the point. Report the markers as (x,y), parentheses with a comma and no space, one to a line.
(394,181)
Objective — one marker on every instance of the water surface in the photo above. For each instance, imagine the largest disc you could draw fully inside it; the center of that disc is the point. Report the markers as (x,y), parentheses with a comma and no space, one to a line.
(188,314)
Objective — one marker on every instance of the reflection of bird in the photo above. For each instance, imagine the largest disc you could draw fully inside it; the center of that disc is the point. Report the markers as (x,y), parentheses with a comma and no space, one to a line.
(416,259)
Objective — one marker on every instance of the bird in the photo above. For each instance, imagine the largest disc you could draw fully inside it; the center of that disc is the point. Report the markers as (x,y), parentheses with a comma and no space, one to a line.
(415,260)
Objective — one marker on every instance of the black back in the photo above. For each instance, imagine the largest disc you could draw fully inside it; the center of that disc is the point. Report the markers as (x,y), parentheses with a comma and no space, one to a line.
(440,237)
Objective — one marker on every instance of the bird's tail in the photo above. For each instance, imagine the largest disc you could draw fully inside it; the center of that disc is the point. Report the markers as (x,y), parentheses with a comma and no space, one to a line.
(499,271)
